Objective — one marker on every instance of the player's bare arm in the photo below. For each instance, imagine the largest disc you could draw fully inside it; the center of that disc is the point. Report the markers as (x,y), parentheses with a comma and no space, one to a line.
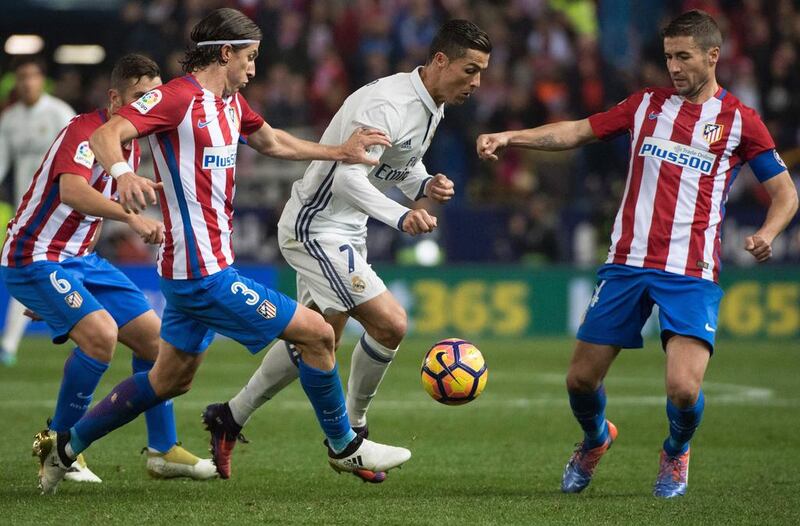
(781,210)
(558,136)
(135,192)
(77,193)
(440,188)
(283,145)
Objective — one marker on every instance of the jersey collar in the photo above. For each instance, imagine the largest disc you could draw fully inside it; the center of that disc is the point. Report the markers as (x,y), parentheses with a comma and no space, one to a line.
(422,91)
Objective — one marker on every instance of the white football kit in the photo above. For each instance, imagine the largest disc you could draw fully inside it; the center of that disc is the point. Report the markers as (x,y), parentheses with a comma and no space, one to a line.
(26,133)
(323,229)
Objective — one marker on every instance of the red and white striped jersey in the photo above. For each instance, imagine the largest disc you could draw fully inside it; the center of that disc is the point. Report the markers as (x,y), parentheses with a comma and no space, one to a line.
(193,135)
(44,228)
(683,160)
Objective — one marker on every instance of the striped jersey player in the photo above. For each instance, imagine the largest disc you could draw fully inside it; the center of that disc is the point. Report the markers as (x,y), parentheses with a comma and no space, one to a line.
(687,144)
(193,135)
(45,228)
(684,159)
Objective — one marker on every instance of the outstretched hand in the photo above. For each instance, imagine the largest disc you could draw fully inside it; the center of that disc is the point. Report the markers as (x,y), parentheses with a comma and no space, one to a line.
(354,150)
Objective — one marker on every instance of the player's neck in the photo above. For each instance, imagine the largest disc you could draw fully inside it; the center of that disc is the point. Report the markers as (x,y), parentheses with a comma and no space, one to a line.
(429,84)
(704,92)
(212,80)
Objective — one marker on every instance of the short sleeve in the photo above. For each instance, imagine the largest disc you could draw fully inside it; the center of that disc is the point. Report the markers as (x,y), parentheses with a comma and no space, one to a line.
(618,119)
(74,155)
(158,110)
(251,121)
(755,136)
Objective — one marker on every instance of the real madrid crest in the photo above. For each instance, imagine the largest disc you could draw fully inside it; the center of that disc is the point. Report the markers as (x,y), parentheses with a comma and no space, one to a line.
(358,283)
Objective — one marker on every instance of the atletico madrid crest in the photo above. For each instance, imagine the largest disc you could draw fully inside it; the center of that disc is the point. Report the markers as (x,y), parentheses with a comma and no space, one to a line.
(712,132)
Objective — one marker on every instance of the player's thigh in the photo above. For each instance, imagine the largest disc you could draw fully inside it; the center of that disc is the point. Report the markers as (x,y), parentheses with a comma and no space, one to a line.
(308,330)
(56,294)
(589,365)
(686,362)
(332,273)
(688,306)
(383,315)
(618,308)
(115,291)
(141,335)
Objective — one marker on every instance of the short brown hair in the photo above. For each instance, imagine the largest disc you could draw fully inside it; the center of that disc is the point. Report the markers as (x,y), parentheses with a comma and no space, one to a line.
(698,25)
(132,67)
(220,24)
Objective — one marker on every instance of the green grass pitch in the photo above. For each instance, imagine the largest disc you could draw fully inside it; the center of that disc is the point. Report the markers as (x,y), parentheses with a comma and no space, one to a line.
(497,460)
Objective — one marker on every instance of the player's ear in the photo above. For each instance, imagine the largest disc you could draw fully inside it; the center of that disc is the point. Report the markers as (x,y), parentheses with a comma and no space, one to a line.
(115,98)
(225,53)
(441,60)
(713,55)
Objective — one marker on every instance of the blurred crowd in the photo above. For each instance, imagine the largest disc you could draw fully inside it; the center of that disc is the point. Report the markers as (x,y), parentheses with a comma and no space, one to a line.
(552,60)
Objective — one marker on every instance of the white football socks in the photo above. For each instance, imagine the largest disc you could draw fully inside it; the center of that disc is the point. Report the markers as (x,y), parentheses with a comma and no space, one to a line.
(16,322)
(275,372)
(367,369)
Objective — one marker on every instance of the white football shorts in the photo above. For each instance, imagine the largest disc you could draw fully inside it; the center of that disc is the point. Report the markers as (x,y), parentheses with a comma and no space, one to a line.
(332,272)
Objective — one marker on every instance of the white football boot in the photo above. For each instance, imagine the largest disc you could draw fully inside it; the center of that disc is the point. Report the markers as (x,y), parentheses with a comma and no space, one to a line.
(177,462)
(80,472)
(365,454)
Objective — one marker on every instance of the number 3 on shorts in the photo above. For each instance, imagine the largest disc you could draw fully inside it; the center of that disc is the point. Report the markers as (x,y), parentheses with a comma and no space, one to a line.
(61,285)
(252,296)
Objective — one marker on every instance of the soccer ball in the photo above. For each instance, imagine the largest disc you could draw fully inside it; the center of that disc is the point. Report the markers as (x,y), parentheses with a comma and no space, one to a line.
(454,372)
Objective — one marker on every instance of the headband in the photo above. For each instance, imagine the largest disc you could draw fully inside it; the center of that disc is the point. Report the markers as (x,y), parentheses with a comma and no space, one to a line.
(223,42)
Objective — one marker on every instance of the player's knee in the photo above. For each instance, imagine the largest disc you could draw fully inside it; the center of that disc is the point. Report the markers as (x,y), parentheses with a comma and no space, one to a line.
(320,339)
(170,386)
(99,343)
(682,393)
(393,329)
(579,381)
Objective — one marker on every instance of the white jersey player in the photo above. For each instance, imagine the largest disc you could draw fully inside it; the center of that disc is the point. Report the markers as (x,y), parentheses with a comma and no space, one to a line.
(323,229)
(27,129)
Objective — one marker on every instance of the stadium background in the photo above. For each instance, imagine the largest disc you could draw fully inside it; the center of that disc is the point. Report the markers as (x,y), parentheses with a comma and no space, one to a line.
(545,216)
(511,269)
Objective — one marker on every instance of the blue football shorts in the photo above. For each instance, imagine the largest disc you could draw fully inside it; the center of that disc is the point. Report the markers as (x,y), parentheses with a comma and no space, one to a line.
(226,303)
(62,293)
(624,297)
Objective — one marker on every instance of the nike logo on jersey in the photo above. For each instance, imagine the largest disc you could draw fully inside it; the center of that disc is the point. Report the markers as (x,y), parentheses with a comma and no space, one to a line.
(709,328)
(203,124)
(653,115)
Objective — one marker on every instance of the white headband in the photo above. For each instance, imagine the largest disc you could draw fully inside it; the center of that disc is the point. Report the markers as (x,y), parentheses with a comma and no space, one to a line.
(223,42)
